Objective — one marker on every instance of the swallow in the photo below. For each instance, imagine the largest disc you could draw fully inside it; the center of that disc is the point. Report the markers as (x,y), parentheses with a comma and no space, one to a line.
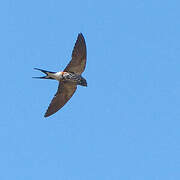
(69,78)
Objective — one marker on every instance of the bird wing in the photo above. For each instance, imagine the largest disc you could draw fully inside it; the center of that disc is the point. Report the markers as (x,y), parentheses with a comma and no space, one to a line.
(78,61)
(63,94)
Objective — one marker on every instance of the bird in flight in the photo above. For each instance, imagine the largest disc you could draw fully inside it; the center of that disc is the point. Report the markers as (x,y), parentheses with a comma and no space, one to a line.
(69,78)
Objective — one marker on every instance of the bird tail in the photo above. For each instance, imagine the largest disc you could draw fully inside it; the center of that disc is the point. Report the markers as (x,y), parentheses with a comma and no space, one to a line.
(45,72)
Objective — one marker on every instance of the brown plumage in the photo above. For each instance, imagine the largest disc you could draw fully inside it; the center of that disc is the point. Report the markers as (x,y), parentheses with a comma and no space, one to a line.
(63,94)
(78,61)
(66,89)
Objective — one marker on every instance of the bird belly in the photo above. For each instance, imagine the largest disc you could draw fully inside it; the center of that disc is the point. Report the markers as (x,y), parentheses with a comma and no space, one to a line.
(75,78)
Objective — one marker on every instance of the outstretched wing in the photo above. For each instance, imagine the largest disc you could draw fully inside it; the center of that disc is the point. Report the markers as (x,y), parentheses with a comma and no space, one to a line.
(63,94)
(78,61)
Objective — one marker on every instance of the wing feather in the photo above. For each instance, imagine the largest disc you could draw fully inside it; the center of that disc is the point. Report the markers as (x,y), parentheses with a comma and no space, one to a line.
(78,61)
(64,93)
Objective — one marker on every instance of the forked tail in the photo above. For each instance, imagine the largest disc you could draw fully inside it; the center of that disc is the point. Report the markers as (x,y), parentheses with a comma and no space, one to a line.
(45,72)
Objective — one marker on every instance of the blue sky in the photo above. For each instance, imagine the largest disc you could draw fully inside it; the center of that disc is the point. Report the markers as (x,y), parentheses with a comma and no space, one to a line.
(125,124)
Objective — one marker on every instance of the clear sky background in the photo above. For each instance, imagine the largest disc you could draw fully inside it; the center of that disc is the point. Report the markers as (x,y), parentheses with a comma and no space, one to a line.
(125,125)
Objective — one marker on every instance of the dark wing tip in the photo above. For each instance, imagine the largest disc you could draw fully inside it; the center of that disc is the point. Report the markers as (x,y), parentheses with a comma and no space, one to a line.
(49,112)
(79,47)
(80,38)
(80,35)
